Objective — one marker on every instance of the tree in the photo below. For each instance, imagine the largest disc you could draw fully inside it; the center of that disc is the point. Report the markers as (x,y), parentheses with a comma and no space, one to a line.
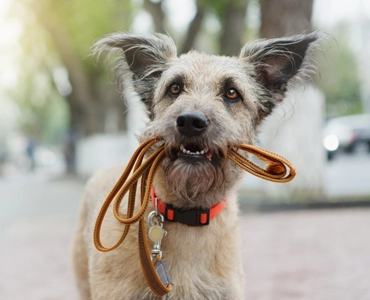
(57,35)
(339,77)
(69,28)
(294,130)
(285,17)
(231,15)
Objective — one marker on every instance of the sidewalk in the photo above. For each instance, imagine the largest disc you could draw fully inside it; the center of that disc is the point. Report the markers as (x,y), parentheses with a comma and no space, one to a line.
(37,218)
(307,254)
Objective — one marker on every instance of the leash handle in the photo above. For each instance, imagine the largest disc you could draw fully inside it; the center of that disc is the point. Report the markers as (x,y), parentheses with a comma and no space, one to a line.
(276,169)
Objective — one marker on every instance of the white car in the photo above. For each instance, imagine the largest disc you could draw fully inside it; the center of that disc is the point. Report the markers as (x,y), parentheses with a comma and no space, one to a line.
(345,133)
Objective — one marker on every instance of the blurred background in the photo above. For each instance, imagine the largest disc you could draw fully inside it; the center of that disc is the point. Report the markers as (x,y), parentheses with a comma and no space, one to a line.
(62,117)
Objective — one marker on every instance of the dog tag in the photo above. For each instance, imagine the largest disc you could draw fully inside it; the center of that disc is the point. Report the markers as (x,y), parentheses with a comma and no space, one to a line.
(156,233)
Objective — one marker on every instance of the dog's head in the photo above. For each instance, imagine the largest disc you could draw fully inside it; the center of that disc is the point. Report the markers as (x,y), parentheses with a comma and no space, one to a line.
(201,105)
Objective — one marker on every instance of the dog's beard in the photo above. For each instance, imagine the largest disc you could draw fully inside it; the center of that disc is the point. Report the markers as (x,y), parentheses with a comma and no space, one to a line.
(193,183)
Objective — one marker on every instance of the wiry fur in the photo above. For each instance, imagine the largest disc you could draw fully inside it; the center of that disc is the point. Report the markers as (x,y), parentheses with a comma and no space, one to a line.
(204,262)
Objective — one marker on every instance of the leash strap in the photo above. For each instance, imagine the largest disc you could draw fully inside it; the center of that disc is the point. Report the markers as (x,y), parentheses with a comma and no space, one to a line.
(276,171)
(124,184)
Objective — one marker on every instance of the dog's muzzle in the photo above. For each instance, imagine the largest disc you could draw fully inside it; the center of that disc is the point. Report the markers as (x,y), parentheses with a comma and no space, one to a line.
(192,124)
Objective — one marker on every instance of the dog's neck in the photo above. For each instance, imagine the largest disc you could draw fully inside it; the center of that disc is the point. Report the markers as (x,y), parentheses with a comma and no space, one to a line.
(192,195)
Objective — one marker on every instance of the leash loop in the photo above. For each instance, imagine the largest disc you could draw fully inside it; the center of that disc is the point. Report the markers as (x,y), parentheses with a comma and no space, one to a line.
(277,166)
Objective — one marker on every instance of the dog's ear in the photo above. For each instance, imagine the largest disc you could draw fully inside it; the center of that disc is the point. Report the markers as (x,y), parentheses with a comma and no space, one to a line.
(146,56)
(276,62)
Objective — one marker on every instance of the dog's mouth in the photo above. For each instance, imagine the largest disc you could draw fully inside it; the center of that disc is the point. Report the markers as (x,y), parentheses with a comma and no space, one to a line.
(192,153)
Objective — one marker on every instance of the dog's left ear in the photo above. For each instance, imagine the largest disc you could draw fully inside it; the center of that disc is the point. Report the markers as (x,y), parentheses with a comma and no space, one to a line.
(276,62)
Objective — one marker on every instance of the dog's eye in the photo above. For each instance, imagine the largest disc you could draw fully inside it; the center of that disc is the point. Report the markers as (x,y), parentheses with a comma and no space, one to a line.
(232,94)
(175,89)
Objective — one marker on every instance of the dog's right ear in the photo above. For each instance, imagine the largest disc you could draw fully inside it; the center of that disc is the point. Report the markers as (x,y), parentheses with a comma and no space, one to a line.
(145,55)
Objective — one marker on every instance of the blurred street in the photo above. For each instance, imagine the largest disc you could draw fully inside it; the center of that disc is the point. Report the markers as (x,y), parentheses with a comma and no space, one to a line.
(307,255)
(348,175)
(37,217)
(304,254)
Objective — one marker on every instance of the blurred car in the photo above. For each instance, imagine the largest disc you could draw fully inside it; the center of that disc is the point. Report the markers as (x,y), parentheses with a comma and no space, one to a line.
(346,133)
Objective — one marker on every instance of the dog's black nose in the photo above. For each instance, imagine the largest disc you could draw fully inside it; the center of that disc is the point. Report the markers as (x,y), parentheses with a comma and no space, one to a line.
(192,123)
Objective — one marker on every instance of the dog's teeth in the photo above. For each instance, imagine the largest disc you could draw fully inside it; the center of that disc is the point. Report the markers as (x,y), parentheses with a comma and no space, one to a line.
(183,150)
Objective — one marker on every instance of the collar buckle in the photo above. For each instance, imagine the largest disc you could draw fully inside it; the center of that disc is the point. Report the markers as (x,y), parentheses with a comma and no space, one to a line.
(192,217)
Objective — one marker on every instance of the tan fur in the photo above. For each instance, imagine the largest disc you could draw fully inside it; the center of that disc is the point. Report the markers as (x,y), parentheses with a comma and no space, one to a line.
(204,262)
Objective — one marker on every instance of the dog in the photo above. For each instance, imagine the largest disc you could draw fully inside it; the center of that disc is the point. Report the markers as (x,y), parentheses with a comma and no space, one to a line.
(199,105)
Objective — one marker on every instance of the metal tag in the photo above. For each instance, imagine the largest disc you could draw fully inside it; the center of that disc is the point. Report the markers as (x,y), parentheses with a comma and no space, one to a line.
(156,233)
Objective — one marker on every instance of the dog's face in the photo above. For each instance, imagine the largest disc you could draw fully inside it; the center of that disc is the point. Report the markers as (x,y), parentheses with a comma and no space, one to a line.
(201,105)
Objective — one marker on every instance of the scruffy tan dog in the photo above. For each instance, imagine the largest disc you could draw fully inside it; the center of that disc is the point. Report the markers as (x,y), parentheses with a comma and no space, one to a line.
(199,106)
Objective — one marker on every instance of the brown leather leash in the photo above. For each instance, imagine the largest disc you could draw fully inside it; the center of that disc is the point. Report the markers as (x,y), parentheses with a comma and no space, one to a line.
(146,172)
(278,169)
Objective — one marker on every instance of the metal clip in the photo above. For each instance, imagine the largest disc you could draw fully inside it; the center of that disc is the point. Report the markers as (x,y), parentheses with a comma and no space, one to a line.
(156,232)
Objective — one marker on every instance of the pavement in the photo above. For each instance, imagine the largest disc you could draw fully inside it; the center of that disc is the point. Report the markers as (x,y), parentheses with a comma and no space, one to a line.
(320,254)
(348,175)
(307,255)
(37,217)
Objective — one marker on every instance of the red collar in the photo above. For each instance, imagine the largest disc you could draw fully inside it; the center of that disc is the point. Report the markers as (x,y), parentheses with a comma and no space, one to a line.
(191,217)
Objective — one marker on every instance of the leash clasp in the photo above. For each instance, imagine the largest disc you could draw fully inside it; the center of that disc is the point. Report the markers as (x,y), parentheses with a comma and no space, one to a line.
(156,233)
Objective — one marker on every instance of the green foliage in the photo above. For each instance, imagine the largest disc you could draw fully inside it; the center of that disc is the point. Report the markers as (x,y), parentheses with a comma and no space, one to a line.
(339,77)
(86,20)
(44,113)
(44,118)
(219,6)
